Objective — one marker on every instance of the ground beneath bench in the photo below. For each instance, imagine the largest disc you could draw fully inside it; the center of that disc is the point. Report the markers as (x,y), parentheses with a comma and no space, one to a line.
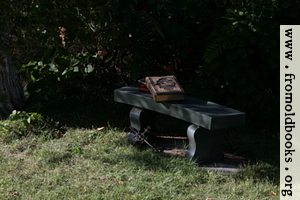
(177,146)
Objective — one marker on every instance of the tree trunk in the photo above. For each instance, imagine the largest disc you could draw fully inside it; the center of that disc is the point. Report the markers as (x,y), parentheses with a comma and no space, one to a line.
(11,90)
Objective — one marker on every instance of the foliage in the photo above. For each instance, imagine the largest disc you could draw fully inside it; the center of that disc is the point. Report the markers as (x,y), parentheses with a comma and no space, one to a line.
(22,124)
(224,51)
(72,78)
(26,118)
(240,59)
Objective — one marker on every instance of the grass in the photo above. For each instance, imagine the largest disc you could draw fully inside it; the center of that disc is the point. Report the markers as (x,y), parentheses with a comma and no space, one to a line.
(79,161)
(99,164)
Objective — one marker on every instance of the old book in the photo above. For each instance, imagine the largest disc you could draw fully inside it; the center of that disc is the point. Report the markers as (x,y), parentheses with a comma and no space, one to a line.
(164,88)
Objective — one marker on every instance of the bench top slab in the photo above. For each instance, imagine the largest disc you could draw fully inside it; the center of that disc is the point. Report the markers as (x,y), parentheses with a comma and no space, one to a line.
(202,113)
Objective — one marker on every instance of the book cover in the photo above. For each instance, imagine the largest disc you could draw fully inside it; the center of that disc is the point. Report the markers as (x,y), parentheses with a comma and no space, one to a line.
(164,88)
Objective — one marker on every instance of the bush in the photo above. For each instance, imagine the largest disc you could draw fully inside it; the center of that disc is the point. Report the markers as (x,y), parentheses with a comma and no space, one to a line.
(22,124)
(224,51)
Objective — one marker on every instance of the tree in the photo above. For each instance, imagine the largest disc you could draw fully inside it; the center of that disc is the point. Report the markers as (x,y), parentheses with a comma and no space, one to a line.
(11,90)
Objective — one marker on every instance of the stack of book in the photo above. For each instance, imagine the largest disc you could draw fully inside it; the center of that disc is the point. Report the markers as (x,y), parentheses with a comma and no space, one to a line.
(163,88)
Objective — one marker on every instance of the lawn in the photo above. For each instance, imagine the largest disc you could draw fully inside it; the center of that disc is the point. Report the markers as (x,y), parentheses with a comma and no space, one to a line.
(98,163)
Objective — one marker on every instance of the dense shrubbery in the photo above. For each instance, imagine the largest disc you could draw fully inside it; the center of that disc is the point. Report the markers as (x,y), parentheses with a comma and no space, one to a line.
(224,51)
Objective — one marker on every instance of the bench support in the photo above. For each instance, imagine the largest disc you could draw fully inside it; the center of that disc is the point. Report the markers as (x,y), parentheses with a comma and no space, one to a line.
(140,119)
(205,146)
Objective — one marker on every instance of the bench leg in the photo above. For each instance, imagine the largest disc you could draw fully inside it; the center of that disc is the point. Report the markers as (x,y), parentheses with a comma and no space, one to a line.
(205,146)
(140,119)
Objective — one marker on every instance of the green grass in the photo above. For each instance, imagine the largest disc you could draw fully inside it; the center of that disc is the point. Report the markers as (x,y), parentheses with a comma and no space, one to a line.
(99,164)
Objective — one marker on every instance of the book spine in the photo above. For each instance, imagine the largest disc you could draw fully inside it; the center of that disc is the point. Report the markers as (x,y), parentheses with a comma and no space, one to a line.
(150,86)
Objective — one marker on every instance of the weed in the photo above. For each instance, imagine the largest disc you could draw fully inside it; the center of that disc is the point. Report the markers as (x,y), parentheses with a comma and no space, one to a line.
(22,124)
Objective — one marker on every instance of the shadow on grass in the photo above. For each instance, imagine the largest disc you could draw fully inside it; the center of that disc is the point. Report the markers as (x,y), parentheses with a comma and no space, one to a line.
(147,159)
(259,144)
(256,143)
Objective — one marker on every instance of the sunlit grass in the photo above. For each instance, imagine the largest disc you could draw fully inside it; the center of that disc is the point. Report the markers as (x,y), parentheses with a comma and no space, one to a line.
(99,164)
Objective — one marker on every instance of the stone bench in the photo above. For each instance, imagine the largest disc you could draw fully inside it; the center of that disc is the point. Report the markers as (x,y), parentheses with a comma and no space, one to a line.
(208,120)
